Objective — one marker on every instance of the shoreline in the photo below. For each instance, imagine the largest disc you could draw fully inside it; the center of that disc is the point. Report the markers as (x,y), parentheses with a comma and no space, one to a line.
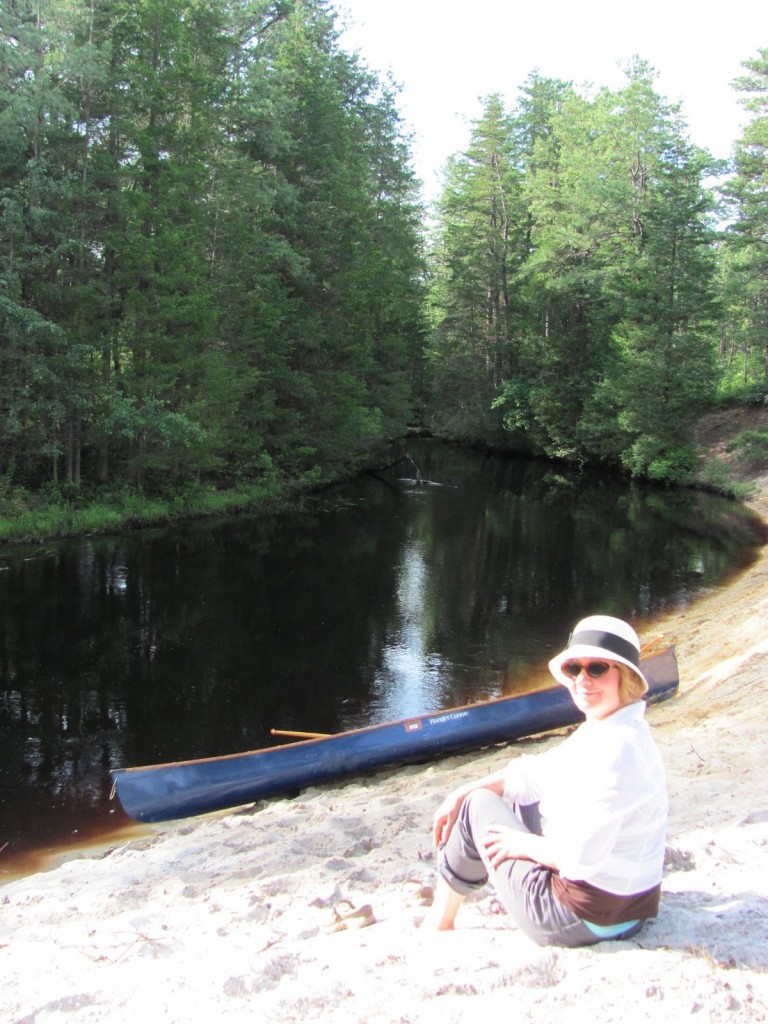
(225,916)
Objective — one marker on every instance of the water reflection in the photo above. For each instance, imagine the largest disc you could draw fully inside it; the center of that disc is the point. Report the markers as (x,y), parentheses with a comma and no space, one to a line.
(409,678)
(381,600)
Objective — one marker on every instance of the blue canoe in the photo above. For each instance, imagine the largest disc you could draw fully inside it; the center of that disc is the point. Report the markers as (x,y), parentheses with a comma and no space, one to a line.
(184,788)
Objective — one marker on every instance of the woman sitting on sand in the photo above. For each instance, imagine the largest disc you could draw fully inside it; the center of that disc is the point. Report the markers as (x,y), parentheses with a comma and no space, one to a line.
(572,839)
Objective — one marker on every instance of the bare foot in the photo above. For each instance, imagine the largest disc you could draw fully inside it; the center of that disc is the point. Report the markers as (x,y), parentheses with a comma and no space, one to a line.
(442,913)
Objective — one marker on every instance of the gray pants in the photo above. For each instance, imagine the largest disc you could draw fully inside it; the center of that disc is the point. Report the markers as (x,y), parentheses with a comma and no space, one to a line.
(524,887)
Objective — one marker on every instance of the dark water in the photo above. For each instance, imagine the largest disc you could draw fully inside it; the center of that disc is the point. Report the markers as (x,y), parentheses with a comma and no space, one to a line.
(381,600)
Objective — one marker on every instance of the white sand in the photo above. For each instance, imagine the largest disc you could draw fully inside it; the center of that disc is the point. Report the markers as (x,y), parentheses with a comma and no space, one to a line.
(223,918)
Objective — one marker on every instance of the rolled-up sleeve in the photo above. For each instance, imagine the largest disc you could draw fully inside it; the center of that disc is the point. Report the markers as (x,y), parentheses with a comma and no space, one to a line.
(527,778)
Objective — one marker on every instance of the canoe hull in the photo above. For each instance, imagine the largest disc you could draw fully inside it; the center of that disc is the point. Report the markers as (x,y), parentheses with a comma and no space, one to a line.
(186,788)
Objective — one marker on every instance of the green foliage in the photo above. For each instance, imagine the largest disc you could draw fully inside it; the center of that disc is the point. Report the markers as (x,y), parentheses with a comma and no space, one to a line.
(211,261)
(573,278)
(481,237)
(744,261)
(209,245)
(514,398)
(648,458)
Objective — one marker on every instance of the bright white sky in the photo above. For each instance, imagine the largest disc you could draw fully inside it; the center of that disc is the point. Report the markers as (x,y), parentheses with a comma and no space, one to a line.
(447,55)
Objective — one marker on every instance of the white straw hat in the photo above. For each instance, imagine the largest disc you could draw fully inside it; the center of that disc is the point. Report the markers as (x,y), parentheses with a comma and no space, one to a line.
(601,637)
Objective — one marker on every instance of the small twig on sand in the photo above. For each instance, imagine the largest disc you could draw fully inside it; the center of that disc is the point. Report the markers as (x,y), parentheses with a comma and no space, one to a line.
(694,751)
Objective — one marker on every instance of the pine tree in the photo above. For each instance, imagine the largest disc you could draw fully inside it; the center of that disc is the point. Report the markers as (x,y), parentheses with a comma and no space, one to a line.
(480,242)
(211,253)
(747,241)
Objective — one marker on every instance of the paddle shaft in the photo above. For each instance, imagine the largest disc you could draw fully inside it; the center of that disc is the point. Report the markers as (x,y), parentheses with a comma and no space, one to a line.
(651,643)
(299,735)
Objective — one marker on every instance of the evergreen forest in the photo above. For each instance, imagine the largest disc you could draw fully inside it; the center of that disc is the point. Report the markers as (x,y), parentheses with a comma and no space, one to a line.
(217,274)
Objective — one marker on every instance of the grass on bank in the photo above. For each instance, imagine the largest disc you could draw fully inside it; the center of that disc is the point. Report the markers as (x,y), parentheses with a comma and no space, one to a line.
(32,517)
(750,447)
(716,476)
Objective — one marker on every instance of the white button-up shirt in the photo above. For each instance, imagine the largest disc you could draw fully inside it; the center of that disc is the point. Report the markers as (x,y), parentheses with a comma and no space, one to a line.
(603,801)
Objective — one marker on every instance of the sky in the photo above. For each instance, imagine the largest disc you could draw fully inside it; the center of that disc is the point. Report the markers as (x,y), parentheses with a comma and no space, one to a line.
(447,56)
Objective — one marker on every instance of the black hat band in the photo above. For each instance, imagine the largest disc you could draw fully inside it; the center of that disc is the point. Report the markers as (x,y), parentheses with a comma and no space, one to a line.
(608,642)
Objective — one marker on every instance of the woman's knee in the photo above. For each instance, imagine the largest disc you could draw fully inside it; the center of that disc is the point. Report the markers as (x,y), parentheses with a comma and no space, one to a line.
(484,809)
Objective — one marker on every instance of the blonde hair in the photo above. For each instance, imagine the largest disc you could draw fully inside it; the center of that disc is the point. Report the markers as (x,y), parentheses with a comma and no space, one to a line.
(631,686)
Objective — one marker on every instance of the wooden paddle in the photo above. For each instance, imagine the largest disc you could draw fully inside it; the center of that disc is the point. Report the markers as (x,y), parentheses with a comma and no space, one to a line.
(300,735)
(651,643)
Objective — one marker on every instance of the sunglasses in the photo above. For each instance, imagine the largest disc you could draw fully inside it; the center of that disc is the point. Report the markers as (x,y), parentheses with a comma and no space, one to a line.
(594,669)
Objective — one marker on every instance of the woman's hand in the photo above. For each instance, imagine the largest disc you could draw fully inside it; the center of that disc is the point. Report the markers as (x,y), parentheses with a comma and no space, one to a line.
(446,815)
(502,843)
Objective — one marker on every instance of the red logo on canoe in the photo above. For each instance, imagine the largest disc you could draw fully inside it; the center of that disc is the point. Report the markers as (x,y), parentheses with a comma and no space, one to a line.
(414,725)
